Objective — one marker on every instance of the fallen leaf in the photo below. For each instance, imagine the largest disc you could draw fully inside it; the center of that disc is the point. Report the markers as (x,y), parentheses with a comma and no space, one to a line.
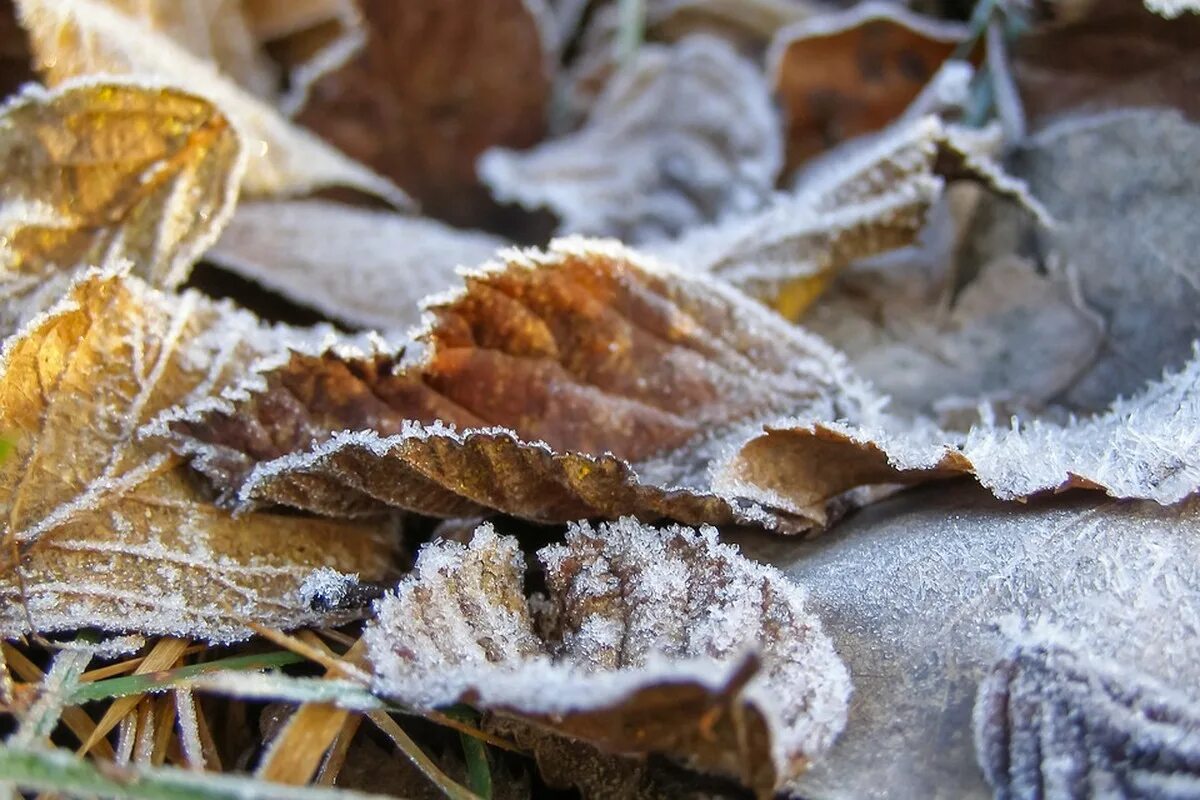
(363,268)
(1172,8)
(582,382)
(1070,67)
(1051,720)
(847,73)
(873,198)
(650,641)
(73,38)
(924,592)
(104,531)
(436,85)
(99,174)
(685,136)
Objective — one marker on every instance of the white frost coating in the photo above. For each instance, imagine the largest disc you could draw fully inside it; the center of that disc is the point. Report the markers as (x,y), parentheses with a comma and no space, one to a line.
(630,608)
(326,587)
(686,135)
(365,268)
(1173,8)
(913,589)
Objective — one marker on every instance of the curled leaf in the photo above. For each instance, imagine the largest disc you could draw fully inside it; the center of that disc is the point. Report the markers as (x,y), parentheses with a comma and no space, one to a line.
(1050,720)
(686,135)
(436,85)
(363,268)
(583,382)
(72,38)
(649,642)
(847,73)
(922,593)
(103,530)
(103,174)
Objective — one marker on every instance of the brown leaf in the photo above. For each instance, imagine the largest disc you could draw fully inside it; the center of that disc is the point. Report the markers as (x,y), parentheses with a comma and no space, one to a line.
(1115,55)
(101,174)
(111,532)
(436,85)
(650,642)
(86,37)
(685,136)
(847,73)
(578,383)
(364,268)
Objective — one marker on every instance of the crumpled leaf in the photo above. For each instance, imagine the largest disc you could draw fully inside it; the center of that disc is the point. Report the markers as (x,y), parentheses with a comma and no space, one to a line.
(1068,66)
(364,268)
(846,73)
(314,37)
(583,382)
(1050,721)
(922,593)
(650,641)
(872,198)
(436,85)
(1013,338)
(103,174)
(686,135)
(103,530)
(72,38)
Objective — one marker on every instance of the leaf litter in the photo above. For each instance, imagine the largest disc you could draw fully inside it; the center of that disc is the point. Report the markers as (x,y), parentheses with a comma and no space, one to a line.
(795,338)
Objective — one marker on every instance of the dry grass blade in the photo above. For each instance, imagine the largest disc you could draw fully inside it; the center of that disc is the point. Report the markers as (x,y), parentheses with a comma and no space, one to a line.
(413,752)
(163,655)
(128,665)
(336,759)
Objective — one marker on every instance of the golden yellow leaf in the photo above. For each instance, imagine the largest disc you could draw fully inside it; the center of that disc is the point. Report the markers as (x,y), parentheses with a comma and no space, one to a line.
(104,531)
(71,38)
(102,174)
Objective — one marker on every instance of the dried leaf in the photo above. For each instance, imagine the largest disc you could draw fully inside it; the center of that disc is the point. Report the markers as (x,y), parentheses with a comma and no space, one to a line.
(650,641)
(685,136)
(437,85)
(1051,721)
(103,174)
(872,198)
(1172,8)
(847,73)
(584,382)
(363,268)
(1070,66)
(85,37)
(110,532)
(923,593)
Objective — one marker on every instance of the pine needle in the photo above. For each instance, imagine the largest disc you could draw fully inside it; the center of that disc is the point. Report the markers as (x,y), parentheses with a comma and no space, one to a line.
(162,656)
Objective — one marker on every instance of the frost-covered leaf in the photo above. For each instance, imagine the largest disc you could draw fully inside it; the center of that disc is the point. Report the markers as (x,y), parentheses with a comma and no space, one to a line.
(1013,338)
(582,382)
(872,198)
(73,38)
(686,135)
(649,642)
(313,37)
(436,85)
(104,174)
(912,590)
(1053,722)
(847,73)
(364,268)
(1173,8)
(1069,66)
(112,532)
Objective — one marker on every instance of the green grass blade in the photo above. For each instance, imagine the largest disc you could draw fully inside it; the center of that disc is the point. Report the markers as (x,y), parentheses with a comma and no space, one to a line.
(157,681)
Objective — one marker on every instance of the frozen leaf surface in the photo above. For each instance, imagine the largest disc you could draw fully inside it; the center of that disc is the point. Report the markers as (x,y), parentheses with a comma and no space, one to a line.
(364,268)
(685,136)
(649,642)
(924,592)
(103,174)
(436,85)
(102,530)
(847,73)
(73,38)
(582,382)
(1052,722)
